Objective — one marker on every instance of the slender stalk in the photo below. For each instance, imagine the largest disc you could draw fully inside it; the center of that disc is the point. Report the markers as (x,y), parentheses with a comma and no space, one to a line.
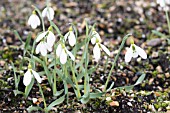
(116,58)
(168,21)
(54,84)
(45,105)
(75,80)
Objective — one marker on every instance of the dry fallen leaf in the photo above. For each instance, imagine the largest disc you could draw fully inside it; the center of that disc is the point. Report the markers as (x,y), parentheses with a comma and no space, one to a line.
(114,103)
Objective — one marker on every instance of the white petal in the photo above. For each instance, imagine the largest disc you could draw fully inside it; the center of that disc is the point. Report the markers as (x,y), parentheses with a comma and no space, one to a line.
(72,39)
(168,2)
(97,36)
(48,47)
(44,12)
(38,48)
(27,78)
(96,52)
(37,76)
(58,50)
(129,54)
(135,54)
(141,52)
(105,49)
(50,39)
(43,49)
(70,54)
(50,15)
(63,57)
(66,35)
(93,40)
(49,12)
(41,36)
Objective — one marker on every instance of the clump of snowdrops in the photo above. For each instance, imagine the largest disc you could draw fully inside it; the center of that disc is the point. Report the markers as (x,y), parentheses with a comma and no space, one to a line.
(58,59)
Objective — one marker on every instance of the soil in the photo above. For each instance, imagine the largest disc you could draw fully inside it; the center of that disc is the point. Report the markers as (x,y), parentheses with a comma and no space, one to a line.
(114,19)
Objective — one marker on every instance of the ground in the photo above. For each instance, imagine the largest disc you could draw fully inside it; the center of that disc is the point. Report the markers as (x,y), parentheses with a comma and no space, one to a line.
(114,19)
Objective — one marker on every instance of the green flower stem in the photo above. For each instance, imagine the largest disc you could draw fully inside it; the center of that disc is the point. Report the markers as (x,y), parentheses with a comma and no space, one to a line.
(54,84)
(75,80)
(39,13)
(116,58)
(167,18)
(45,105)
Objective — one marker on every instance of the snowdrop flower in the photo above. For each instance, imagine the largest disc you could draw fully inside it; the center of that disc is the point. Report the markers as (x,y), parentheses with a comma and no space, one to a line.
(134,51)
(49,13)
(28,76)
(43,46)
(71,37)
(163,3)
(34,20)
(97,48)
(62,53)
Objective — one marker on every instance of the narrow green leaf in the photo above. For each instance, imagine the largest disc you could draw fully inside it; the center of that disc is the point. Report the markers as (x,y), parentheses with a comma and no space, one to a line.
(96,95)
(27,43)
(34,108)
(127,88)
(16,79)
(59,92)
(56,102)
(17,35)
(111,86)
(85,98)
(158,33)
(28,88)
(16,92)
(140,79)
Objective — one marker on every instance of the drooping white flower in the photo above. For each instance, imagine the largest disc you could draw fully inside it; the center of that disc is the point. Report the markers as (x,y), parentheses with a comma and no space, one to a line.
(42,47)
(98,47)
(34,20)
(49,13)
(28,77)
(134,51)
(71,38)
(62,53)
(163,3)
(47,40)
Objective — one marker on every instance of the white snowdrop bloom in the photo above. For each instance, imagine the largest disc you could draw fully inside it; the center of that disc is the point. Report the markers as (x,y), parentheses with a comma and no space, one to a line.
(28,77)
(97,51)
(71,38)
(49,36)
(42,47)
(62,53)
(97,48)
(163,3)
(134,51)
(49,13)
(34,20)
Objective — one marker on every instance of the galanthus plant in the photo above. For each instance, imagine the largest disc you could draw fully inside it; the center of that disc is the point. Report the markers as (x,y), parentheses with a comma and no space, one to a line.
(58,69)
